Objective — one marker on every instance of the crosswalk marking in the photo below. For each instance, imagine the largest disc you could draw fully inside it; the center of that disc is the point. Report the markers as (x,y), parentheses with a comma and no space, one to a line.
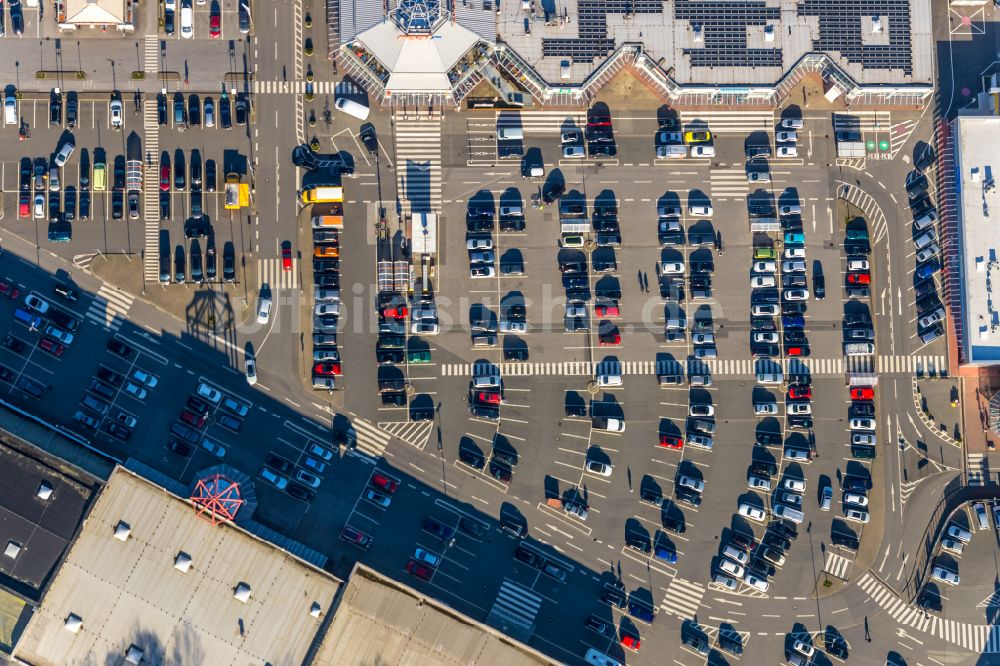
(418,162)
(683,597)
(152,56)
(266,87)
(539,121)
(718,367)
(370,439)
(109,307)
(414,433)
(150,200)
(723,122)
(975,469)
(271,273)
(974,637)
(836,565)
(514,610)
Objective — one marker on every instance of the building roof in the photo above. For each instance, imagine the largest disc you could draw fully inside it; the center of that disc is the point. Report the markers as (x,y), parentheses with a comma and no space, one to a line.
(177,587)
(978,164)
(726,43)
(42,503)
(95,12)
(380,621)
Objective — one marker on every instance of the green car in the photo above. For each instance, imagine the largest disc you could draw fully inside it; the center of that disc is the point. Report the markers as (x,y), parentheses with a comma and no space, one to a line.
(765,253)
(419,356)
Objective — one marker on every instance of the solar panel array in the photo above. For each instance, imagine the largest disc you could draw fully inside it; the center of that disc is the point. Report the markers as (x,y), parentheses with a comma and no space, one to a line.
(724,30)
(593,41)
(840,31)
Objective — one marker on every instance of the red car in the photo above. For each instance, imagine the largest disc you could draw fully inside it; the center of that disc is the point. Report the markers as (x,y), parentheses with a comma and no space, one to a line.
(799,393)
(797,351)
(489,398)
(394,312)
(326,369)
(51,346)
(197,420)
(8,289)
(863,393)
(384,482)
(417,569)
(609,339)
(607,310)
(631,642)
(599,121)
(671,442)
(24,205)
(286,255)
(215,25)
(165,178)
(859,278)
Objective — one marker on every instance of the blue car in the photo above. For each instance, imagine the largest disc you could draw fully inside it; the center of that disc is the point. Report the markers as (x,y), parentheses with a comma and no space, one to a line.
(665,553)
(792,321)
(795,238)
(925,271)
(640,611)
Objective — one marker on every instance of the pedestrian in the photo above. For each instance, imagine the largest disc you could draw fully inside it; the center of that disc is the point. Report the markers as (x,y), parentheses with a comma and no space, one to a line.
(868,636)
(645,282)
(638,276)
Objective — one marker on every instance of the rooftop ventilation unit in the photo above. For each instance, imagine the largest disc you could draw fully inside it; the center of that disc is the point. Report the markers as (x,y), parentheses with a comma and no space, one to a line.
(315,609)
(133,655)
(698,36)
(182,562)
(44,491)
(242,592)
(12,550)
(122,530)
(73,623)
(768,33)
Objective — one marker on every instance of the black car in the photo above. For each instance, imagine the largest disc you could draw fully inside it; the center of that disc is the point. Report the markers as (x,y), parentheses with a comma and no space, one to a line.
(836,646)
(483,411)
(69,204)
(861,410)
(602,627)
(394,398)
(916,184)
(119,348)
(384,356)
(300,492)
(195,170)
(613,597)
(553,192)
(194,111)
(855,484)
(500,472)
(845,540)
(55,109)
(241,110)
(515,354)
(512,224)
(800,422)
(110,376)
(472,458)
(16,17)
(169,25)
(225,112)
(161,109)
(369,139)
(209,175)
(278,464)
(117,430)
(84,205)
(731,641)
(687,496)
(759,566)
(13,344)
(180,448)
(25,175)
(164,205)
(71,109)
(775,540)
(784,528)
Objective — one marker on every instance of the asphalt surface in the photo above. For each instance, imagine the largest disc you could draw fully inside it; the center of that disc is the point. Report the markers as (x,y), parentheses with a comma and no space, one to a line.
(478,573)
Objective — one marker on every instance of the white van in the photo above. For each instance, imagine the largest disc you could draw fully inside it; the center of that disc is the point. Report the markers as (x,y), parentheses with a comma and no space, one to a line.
(187,22)
(510,134)
(10,110)
(785,511)
(349,106)
(597,658)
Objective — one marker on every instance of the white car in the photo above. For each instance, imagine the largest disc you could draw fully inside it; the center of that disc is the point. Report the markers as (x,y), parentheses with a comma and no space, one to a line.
(755,581)
(856,499)
(58,334)
(858,265)
(960,533)
(144,378)
(263,309)
(213,395)
(730,567)
(862,424)
(826,498)
(803,648)
(609,380)
(39,205)
(979,509)
(317,450)
(250,370)
(794,253)
(64,152)
(703,339)
(700,210)
(765,408)
(424,328)
(762,281)
(788,151)
(786,136)
(569,137)
(799,407)
(426,557)
(135,391)
(795,485)
(765,310)
(663,210)
(696,485)
(928,252)
(39,305)
(792,123)
(862,439)
(766,266)
(995,508)
(857,515)
(671,268)
(701,410)
(573,152)
(575,311)
(795,294)
(307,478)
(725,581)
(327,309)
(752,512)
(479,244)
(790,209)
(793,500)
(702,150)
(952,546)
(116,113)
(377,498)
(765,337)
(757,483)
(598,468)
(10,110)
(795,266)
(508,326)
(945,576)
(275,480)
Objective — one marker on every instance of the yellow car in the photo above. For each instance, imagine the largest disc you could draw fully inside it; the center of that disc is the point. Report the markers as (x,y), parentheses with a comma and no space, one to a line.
(326,251)
(699,136)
